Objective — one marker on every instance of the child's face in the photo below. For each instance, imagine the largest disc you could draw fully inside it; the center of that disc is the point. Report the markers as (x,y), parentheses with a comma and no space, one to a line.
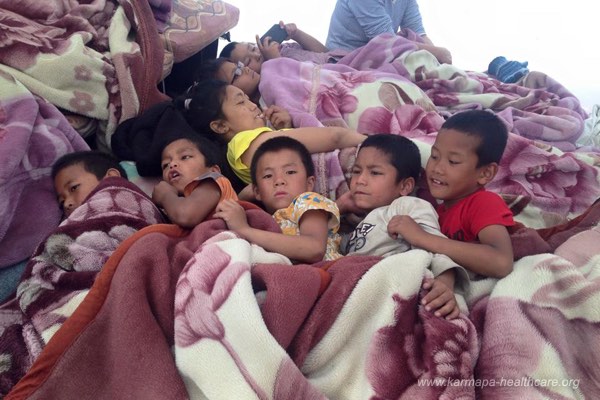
(73,184)
(240,114)
(280,177)
(249,54)
(373,182)
(452,172)
(242,77)
(182,162)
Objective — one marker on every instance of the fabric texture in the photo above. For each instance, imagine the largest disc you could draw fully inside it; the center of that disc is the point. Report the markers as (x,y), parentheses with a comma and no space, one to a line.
(355,22)
(464,219)
(370,237)
(289,218)
(237,147)
(227,192)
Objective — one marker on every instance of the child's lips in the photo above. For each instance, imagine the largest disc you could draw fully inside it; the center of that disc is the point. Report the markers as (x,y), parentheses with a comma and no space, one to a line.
(437,182)
(174,175)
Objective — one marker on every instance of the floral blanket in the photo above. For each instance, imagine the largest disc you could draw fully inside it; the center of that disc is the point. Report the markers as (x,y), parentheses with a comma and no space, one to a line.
(33,135)
(388,86)
(66,70)
(62,270)
(212,316)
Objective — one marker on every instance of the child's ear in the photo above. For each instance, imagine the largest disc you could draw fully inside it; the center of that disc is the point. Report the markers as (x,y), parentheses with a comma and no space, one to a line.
(310,183)
(112,172)
(407,186)
(215,168)
(487,173)
(256,193)
(219,126)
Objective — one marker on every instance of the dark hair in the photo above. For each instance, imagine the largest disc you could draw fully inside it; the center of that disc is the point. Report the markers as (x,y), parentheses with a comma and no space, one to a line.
(227,50)
(209,69)
(209,149)
(403,153)
(203,104)
(279,143)
(93,161)
(486,126)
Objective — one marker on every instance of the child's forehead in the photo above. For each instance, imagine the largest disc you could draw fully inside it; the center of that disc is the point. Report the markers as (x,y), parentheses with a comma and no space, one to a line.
(454,139)
(279,158)
(73,172)
(373,155)
(179,145)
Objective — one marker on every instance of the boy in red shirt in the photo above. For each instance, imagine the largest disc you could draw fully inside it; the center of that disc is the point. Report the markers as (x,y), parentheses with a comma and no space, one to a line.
(464,158)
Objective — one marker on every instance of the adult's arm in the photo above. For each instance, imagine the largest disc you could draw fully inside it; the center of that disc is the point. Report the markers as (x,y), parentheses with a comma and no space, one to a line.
(372,17)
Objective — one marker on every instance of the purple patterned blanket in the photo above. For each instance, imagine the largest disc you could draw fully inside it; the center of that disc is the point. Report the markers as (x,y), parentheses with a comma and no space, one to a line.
(224,319)
(79,57)
(387,86)
(62,270)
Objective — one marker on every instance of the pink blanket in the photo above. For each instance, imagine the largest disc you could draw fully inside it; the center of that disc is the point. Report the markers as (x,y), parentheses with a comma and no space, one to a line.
(62,270)
(212,316)
(388,86)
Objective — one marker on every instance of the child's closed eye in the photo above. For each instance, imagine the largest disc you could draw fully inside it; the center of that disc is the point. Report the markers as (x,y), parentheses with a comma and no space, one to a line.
(74,188)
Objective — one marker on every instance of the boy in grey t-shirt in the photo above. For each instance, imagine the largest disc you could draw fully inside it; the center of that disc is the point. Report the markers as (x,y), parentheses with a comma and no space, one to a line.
(384,175)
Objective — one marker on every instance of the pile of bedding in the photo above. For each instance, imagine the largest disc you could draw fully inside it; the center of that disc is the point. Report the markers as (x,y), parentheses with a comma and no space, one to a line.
(112,308)
(208,315)
(78,69)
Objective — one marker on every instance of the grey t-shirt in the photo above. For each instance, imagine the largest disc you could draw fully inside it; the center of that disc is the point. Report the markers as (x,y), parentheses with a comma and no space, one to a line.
(370,237)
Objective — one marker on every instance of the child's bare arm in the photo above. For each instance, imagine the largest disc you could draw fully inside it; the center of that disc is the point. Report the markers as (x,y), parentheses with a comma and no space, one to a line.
(303,39)
(441,299)
(492,256)
(187,212)
(316,139)
(307,247)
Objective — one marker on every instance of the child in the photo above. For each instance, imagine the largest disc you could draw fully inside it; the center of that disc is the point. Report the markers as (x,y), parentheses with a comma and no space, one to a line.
(283,178)
(77,174)
(464,158)
(192,184)
(306,48)
(384,175)
(225,111)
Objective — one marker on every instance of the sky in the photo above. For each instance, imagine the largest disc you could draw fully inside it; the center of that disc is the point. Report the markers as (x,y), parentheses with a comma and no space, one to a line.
(554,37)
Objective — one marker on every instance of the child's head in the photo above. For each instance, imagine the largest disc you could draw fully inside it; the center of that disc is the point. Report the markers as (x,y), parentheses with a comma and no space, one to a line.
(246,52)
(217,107)
(281,169)
(232,72)
(77,174)
(386,167)
(465,154)
(183,159)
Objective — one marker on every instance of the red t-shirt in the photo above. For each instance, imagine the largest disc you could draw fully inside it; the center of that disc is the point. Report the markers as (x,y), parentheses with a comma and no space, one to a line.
(464,220)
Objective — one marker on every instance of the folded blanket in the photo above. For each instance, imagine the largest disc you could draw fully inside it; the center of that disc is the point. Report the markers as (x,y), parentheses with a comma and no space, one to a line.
(63,268)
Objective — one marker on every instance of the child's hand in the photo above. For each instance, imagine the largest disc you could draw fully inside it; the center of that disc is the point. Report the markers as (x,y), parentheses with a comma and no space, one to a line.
(440,298)
(405,226)
(233,214)
(347,205)
(268,48)
(291,29)
(279,117)
(161,191)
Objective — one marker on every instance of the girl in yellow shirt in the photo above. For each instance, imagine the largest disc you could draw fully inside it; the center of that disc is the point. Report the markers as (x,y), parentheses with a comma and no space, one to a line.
(222,110)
